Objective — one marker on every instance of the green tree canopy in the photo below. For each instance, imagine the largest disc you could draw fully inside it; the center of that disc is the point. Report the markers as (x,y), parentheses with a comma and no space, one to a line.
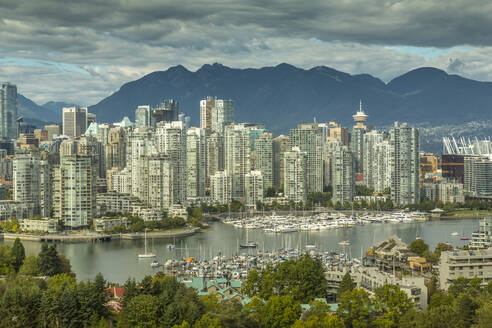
(347,284)
(18,253)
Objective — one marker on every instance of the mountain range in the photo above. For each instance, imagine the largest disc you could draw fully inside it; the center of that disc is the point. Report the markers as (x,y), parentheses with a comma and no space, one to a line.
(284,95)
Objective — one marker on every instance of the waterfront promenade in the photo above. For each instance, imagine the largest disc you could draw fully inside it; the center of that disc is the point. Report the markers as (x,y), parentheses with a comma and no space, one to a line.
(96,237)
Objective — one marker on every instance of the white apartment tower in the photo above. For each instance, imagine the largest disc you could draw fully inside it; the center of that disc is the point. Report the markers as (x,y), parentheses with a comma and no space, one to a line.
(196,162)
(237,156)
(308,138)
(264,158)
(295,175)
(405,143)
(342,173)
(75,191)
(221,187)
(253,188)
(32,184)
(171,141)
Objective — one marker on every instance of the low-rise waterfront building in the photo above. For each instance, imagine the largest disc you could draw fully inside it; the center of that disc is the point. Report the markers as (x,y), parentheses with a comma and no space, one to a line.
(467,264)
(483,237)
(39,225)
(114,202)
(370,278)
(107,224)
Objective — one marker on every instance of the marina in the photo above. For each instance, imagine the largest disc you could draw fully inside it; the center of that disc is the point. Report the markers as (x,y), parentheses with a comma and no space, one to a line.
(321,221)
(118,261)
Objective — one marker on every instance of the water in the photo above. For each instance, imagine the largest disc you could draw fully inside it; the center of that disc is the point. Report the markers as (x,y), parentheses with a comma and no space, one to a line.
(117,260)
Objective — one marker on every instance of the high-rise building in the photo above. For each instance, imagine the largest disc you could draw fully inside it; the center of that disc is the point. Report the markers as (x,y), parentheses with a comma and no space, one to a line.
(383,166)
(215,155)
(295,175)
(253,188)
(357,139)
(264,158)
(32,184)
(308,138)
(338,132)
(221,187)
(281,144)
(196,162)
(156,172)
(171,141)
(405,143)
(8,111)
(53,130)
(342,173)
(143,116)
(116,149)
(74,121)
(237,156)
(75,191)
(215,114)
(139,143)
(478,175)
(167,112)
(370,164)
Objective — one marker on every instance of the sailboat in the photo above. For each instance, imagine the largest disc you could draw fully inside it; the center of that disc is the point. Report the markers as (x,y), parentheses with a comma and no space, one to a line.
(146,255)
(248,244)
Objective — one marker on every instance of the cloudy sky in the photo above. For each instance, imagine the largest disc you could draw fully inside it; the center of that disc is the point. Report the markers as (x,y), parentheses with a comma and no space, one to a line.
(82,51)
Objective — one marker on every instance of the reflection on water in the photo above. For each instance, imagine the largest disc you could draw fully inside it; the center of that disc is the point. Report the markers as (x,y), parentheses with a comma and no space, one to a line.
(117,260)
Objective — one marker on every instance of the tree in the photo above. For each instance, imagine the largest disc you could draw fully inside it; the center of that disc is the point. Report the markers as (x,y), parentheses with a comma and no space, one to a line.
(207,322)
(356,309)
(19,305)
(30,267)
(18,253)
(142,311)
(484,316)
(391,304)
(280,312)
(466,307)
(419,247)
(347,284)
(50,263)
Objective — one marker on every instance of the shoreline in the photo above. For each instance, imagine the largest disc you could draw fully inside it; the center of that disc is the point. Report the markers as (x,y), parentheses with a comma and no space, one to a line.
(94,237)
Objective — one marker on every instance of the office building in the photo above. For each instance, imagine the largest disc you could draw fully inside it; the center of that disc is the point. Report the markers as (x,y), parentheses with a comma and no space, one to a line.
(53,131)
(357,139)
(451,192)
(167,112)
(74,121)
(75,191)
(215,114)
(254,191)
(281,144)
(143,116)
(32,184)
(221,187)
(338,132)
(196,162)
(263,158)
(308,139)
(8,111)
(237,156)
(405,144)
(453,167)
(295,175)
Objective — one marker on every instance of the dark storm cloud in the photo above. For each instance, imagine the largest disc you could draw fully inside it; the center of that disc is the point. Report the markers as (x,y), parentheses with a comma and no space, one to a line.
(109,42)
(419,23)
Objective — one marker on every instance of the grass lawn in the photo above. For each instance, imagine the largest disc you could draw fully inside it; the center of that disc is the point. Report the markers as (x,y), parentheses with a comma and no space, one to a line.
(470,212)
